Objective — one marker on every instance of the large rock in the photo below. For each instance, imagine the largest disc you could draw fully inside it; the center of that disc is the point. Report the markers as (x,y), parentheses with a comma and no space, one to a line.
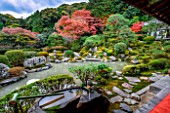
(120,92)
(126,107)
(119,73)
(116,99)
(119,111)
(112,58)
(133,79)
(4,70)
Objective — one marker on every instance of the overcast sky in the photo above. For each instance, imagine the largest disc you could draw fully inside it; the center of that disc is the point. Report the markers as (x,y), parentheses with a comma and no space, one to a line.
(23,8)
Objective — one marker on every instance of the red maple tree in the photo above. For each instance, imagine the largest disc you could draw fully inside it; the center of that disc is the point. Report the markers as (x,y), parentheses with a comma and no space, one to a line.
(18,30)
(137,27)
(80,23)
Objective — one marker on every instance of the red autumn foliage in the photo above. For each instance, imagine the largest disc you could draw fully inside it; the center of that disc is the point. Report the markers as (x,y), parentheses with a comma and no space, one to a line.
(80,23)
(18,30)
(137,27)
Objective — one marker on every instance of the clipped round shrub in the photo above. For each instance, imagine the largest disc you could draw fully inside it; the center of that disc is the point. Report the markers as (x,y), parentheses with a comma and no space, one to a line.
(16,57)
(4,59)
(43,53)
(69,53)
(120,48)
(100,80)
(158,63)
(30,54)
(159,54)
(16,71)
(130,70)
(149,39)
(140,43)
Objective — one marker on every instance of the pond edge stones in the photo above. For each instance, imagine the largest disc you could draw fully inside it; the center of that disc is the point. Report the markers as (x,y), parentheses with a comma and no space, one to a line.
(120,92)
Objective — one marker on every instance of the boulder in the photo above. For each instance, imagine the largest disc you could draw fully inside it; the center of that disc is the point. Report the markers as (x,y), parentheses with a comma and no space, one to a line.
(57,61)
(120,92)
(112,58)
(116,99)
(126,107)
(119,73)
(4,70)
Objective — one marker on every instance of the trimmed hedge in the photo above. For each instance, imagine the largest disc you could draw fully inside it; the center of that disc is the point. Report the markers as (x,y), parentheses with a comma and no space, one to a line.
(4,59)
(43,53)
(16,57)
(130,70)
(69,53)
(120,48)
(16,71)
(30,54)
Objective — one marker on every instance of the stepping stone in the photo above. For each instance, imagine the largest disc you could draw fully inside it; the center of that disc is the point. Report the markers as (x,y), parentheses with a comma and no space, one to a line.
(144,78)
(130,101)
(127,90)
(154,79)
(120,92)
(133,79)
(126,85)
(120,78)
(109,92)
(119,111)
(126,107)
(116,99)
(135,96)
(132,83)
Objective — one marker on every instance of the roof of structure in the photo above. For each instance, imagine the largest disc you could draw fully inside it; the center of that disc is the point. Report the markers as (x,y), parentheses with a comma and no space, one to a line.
(160,9)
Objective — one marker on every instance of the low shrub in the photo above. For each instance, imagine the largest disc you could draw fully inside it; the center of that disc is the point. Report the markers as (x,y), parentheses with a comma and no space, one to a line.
(30,54)
(16,71)
(104,70)
(100,80)
(120,48)
(43,53)
(130,70)
(145,59)
(142,67)
(140,43)
(167,48)
(158,63)
(16,57)
(133,52)
(149,39)
(69,53)
(159,54)
(4,59)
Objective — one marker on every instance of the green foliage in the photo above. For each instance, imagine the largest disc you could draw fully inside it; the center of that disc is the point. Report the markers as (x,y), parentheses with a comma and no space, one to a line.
(133,52)
(110,52)
(100,80)
(69,53)
(115,22)
(167,48)
(158,63)
(159,54)
(43,53)
(55,40)
(120,48)
(84,72)
(93,40)
(145,59)
(142,67)
(77,45)
(30,54)
(149,39)
(104,70)
(4,59)
(16,57)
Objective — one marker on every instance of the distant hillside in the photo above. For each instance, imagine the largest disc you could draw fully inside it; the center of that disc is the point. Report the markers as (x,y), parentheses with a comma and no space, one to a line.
(44,20)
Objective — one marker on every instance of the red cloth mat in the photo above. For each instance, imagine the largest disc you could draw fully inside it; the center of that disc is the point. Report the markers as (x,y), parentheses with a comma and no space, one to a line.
(163,106)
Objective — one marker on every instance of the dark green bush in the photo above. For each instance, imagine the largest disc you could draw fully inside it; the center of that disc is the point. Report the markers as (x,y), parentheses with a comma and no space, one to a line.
(69,53)
(16,57)
(159,54)
(4,59)
(158,63)
(142,67)
(149,39)
(120,48)
(145,59)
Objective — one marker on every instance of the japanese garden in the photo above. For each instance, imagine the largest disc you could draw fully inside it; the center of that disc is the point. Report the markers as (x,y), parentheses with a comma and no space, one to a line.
(96,56)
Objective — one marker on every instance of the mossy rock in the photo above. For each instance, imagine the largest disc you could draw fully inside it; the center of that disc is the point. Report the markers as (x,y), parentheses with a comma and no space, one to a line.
(145,59)
(149,39)
(159,63)
(140,43)
(146,73)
